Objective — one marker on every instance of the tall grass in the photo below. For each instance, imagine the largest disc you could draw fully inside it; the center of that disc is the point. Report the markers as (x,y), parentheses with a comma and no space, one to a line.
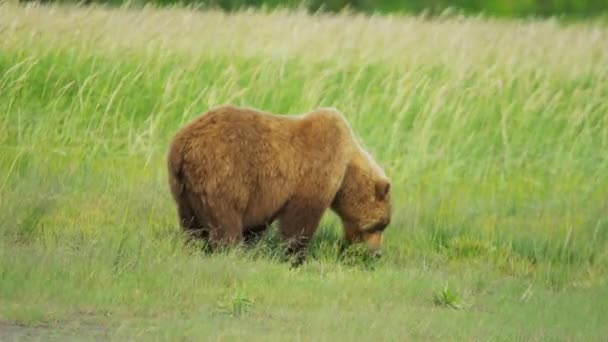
(504,8)
(494,134)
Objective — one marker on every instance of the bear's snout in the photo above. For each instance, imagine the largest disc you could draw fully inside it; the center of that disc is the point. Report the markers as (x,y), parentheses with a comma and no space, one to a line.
(373,241)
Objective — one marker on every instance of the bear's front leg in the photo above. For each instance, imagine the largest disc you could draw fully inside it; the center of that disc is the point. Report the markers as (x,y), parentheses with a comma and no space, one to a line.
(297,225)
(252,235)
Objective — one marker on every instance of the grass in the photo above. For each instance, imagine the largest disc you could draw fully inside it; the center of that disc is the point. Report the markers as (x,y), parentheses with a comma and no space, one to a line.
(494,133)
(447,297)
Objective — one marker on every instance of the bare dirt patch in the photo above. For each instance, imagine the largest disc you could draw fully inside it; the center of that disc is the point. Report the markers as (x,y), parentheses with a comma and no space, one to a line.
(15,331)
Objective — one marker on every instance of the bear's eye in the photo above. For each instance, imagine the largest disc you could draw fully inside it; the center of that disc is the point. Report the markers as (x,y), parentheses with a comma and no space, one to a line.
(378,227)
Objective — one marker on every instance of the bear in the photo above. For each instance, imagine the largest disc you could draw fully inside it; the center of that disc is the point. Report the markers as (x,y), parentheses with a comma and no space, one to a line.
(233,171)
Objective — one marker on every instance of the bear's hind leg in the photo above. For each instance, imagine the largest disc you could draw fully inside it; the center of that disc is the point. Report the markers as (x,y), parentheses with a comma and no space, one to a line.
(226,231)
(190,223)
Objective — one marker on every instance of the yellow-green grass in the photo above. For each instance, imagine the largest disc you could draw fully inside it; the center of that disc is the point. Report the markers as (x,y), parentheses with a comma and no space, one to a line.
(494,133)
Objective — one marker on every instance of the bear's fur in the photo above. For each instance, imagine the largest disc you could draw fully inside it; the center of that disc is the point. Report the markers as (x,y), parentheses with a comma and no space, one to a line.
(233,171)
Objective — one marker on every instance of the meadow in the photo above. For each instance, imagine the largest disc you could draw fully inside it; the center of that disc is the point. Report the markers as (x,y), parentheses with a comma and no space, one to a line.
(494,133)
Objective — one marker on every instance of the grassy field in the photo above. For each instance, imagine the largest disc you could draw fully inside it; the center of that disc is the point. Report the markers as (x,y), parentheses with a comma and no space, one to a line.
(494,133)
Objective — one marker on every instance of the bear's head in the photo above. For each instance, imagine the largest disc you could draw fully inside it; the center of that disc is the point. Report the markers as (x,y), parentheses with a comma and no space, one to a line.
(363,202)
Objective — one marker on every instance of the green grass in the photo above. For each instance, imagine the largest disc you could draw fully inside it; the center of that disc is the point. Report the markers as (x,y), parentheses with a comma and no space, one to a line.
(494,133)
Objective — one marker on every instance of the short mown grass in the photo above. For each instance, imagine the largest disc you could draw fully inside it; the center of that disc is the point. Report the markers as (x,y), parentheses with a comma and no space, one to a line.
(493,132)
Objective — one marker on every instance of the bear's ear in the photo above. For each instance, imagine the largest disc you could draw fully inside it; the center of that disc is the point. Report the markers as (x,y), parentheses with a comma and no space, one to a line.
(382,189)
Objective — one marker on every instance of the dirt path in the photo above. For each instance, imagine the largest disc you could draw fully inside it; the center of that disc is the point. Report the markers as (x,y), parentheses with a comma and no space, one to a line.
(53,332)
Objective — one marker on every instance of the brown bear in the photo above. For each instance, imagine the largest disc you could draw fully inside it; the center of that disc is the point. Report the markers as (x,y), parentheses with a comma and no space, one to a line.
(233,171)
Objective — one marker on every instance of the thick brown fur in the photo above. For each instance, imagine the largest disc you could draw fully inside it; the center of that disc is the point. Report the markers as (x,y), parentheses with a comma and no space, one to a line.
(233,171)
